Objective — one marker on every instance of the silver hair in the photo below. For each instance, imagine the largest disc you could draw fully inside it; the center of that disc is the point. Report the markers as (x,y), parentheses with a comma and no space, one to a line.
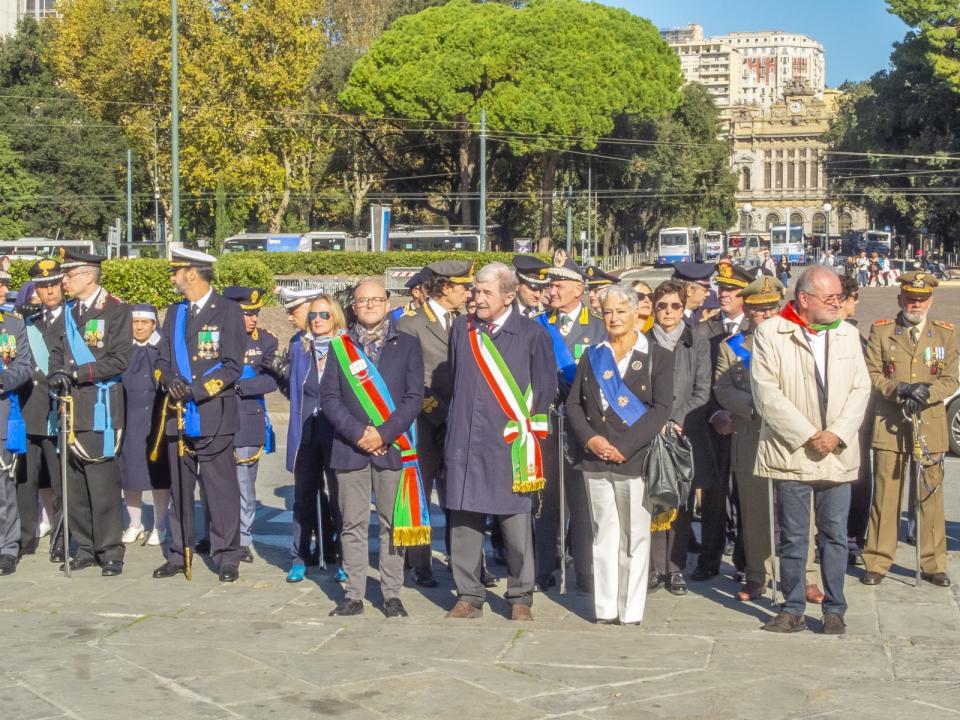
(500,273)
(618,292)
(809,277)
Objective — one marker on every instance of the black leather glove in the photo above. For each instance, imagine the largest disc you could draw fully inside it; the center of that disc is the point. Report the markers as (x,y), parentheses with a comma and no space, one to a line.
(179,390)
(903,390)
(910,406)
(920,392)
(60,383)
(279,367)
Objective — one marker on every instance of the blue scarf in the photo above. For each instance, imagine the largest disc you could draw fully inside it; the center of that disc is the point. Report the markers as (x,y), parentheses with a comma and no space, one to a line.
(566,363)
(620,398)
(191,415)
(102,417)
(16,427)
(271,440)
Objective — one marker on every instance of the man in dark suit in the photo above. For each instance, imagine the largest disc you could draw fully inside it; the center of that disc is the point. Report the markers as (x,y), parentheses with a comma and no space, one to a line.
(255,432)
(363,455)
(446,285)
(96,340)
(42,467)
(718,503)
(481,476)
(201,359)
(573,328)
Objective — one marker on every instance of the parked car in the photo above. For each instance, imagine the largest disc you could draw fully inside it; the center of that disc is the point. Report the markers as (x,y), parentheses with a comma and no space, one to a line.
(953,421)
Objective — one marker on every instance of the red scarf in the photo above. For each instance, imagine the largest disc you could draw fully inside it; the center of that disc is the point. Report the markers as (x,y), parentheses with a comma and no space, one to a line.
(790,313)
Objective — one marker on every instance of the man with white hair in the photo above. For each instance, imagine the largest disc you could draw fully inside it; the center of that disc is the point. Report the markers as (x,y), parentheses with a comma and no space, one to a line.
(504,379)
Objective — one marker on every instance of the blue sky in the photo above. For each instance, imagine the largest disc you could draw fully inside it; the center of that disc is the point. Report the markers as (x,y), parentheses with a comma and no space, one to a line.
(857,35)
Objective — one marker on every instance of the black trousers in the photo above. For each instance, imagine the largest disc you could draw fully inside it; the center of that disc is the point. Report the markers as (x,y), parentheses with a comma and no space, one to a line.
(211,465)
(668,548)
(311,473)
(716,500)
(40,467)
(94,505)
(861,492)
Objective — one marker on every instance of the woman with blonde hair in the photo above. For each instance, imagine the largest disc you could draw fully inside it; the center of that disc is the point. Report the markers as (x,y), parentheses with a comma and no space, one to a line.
(644,304)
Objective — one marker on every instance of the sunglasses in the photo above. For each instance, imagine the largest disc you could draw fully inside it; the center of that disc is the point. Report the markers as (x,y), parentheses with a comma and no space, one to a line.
(322,314)
(672,306)
(644,296)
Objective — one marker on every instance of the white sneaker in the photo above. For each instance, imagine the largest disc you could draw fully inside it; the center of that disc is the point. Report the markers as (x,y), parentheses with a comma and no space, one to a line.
(156,537)
(44,529)
(132,534)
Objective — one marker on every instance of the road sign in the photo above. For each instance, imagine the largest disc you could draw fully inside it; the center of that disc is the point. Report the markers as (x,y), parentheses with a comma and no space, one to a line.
(523,245)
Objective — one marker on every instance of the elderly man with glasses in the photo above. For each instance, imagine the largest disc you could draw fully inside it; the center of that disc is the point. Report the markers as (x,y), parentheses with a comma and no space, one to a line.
(810,387)
(371,392)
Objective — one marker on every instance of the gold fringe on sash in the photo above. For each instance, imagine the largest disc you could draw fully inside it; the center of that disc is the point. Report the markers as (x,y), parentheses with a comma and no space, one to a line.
(411,536)
(662,521)
(529,485)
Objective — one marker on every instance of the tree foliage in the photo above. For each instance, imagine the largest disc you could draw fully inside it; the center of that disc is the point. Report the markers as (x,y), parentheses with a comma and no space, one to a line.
(18,191)
(937,22)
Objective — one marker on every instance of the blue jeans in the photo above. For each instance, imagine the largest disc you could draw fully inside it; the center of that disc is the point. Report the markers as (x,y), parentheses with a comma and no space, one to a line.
(864,277)
(831,504)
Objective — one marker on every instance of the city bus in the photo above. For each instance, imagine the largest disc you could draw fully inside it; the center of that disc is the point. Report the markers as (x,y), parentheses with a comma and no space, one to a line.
(35,248)
(269,242)
(869,241)
(433,239)
(794,248)
(715,245)
(680,244)
(336,240)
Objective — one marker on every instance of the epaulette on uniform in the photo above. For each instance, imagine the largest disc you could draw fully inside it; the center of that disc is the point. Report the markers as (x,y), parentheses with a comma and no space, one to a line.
(944,324)
(409,313)
(18,316)
(882,321)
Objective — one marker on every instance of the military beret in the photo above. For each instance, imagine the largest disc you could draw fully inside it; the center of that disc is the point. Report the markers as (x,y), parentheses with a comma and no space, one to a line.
(918,282)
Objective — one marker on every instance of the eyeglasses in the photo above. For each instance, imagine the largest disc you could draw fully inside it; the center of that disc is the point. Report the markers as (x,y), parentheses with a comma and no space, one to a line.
(74,273)
(369,301)
(322,314)
(671,306)
(641,296)
(828,299)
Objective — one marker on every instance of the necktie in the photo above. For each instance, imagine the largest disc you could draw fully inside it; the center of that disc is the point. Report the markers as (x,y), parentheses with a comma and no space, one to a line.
(915,334)
(48,317)
(193,310)
(80,311)
(491,328)
(731,327)
(446,322)
(566,322)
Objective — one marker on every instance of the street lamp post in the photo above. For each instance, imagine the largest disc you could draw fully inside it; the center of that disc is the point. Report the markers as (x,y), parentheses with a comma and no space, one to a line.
(827,207)
(175,123)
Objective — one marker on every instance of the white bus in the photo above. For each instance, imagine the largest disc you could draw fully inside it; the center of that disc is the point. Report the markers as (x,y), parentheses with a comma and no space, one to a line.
(35,248)
(715,245)
(680,244)
(794,248)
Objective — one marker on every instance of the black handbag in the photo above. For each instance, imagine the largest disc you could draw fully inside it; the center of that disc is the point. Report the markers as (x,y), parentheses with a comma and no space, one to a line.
(668,470)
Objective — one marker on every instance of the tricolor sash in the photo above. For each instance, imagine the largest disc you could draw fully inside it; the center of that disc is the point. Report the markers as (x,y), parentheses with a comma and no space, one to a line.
(621,399)
(736,343)
(41,356)
(566,362)
(411,511)
(522,429)
(270,442)
(102,417)
(191,415)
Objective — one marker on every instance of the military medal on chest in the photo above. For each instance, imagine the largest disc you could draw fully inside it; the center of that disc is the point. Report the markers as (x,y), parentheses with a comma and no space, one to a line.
(208,342)
(8,347)
(936,358)
(94,332)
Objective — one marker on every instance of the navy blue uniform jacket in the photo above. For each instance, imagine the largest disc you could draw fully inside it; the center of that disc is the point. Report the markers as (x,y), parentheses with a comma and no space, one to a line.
(401,365)
(252,430)
(477,460)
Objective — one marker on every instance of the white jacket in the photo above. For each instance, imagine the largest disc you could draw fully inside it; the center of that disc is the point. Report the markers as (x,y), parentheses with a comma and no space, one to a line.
(783,376)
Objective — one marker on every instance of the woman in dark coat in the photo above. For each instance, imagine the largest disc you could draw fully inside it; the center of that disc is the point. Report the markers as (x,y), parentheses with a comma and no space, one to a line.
(143,405)
(613,420)
(691,392)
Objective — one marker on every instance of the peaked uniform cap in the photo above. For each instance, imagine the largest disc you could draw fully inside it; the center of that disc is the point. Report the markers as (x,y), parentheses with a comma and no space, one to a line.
(45,272)
(247,298)
(184,258)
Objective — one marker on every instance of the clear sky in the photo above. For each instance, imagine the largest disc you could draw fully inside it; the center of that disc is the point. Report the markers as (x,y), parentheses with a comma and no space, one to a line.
(857,35)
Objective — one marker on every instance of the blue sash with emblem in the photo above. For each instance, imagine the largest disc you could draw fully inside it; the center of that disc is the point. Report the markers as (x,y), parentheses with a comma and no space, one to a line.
(621,399)
(566,363)
(736,343)
(102,417)
(191,415)
(41,356)
(271,440)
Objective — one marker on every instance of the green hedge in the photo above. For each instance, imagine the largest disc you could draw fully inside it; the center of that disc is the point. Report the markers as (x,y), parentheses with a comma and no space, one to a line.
(146,280)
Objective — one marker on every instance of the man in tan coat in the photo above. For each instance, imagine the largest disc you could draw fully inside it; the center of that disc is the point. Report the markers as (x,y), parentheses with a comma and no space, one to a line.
(913,363)
(761,300)
(810,386)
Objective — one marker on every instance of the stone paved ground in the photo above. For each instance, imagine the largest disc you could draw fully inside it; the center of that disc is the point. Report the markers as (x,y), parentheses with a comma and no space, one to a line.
(92,647)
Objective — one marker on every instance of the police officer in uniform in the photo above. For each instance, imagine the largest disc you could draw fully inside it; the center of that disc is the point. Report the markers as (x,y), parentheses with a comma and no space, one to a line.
(531,282)
(255,433)
(201,359)
(42,466)
(16,370)
(696,279)
(912,362)
(572,328)
(96,340)
(446,285)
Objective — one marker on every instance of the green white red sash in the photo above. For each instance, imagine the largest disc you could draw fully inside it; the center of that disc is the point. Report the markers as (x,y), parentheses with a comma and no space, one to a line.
(411,511)
(522,429)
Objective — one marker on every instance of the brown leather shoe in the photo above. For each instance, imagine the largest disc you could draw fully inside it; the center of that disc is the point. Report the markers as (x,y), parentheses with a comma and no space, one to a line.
(751,591)
(519,611)
(871,578)
(939,579)
(814,594)
(464,610)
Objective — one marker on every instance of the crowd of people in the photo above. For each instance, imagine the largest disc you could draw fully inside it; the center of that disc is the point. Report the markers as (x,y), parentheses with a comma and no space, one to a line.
(527,398)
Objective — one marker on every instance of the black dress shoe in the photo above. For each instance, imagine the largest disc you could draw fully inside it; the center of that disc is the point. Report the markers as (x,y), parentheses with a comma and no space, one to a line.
(167,570)
(349,607)
(701,573)
(245,554)
(655,581)
(82,564)
(424,577)
(608,621)
(487,580)
(544,583)
(8,564)
(111,568)
(393,608)
(56,556)
(202,547)
(229,573)
(676,584)
(871,578)
(939,579)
